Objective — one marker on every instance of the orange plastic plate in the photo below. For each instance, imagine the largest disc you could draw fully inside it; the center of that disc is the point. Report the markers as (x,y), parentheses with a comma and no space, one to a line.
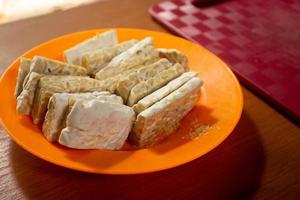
(219,108)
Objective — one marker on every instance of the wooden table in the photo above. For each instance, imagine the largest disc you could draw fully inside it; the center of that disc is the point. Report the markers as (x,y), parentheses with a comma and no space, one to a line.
(260,160)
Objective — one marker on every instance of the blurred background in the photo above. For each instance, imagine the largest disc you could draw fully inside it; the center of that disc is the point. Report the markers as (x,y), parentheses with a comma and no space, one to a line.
(12,10)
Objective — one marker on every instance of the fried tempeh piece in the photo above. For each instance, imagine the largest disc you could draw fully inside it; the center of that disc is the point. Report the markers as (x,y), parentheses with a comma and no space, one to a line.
(58,106)
(146,87)
(98,59)
(174,56)
(159,94)
(95,124)
(141,53)
(106,39)
(126,83)
(22,73)
(25,99)
(50,66)
(39,67)
(48,85)
(162,118)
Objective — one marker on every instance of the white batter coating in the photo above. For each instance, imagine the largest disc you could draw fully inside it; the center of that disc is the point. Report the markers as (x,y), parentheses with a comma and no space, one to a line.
(95,124)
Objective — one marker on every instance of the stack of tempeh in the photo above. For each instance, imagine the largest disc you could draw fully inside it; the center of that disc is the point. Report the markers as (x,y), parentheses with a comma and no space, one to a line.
(108,92)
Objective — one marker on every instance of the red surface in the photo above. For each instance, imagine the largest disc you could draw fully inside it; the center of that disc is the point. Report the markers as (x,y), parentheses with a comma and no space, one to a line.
(260,40)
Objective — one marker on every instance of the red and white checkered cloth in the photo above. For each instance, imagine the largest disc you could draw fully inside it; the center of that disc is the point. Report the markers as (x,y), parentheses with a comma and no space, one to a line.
(260,40)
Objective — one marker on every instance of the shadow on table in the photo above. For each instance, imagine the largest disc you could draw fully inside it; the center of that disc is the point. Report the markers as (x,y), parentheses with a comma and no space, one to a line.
(231,171)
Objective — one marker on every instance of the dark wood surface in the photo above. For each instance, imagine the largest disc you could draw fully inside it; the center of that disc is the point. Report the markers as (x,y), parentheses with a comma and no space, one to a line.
(260,159)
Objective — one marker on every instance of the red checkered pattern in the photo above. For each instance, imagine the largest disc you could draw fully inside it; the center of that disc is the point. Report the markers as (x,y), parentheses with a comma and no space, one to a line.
(260,40)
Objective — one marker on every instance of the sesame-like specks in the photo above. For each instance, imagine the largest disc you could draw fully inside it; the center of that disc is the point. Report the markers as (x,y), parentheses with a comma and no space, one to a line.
(198,130)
